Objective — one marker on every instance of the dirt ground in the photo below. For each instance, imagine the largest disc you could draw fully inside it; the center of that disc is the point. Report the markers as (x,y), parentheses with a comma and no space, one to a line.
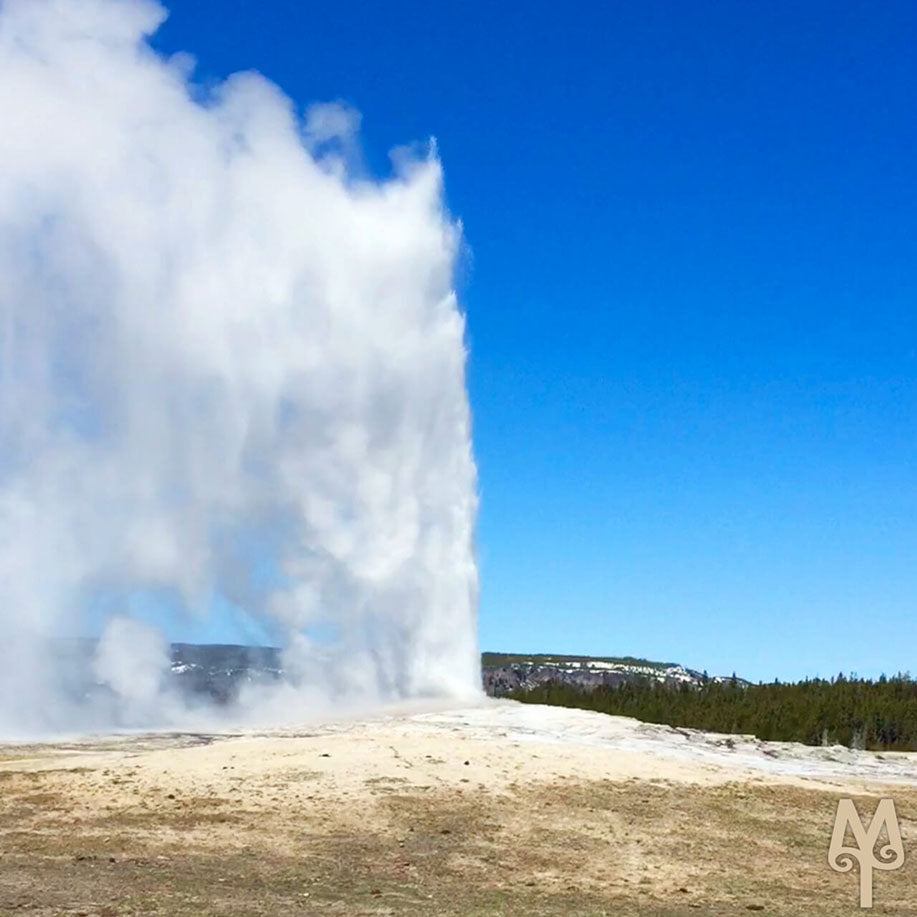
(396,818)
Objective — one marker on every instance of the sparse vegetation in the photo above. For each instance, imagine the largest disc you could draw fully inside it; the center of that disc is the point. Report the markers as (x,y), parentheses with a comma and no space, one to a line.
(74,842)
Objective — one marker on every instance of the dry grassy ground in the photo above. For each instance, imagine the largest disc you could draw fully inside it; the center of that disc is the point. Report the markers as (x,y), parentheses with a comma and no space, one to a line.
(390,819)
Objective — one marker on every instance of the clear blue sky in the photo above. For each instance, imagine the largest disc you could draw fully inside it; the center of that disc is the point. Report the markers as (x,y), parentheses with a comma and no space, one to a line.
(691,304)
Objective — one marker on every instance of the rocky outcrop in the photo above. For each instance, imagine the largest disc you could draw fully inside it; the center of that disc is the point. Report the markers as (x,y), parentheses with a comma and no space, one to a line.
(505,673)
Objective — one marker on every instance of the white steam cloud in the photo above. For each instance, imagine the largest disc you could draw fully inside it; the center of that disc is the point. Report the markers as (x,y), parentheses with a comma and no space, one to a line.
(232,373)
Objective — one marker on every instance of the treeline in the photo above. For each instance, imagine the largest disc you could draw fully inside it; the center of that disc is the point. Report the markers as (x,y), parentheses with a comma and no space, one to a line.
(879,715)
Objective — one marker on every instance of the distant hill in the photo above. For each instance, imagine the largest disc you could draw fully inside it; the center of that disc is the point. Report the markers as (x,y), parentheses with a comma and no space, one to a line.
(218,672)
(201,672)
(504,673)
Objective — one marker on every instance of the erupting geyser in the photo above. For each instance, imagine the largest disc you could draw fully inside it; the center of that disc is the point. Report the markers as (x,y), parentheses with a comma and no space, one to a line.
(232,374)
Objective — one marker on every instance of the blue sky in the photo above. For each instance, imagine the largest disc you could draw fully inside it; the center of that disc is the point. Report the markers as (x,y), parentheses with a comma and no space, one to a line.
(691,304)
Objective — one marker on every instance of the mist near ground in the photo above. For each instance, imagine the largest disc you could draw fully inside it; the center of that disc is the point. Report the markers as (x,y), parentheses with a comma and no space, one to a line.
(232,381)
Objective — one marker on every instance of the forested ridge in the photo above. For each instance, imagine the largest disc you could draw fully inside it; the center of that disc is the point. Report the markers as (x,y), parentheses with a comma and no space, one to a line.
(858,713)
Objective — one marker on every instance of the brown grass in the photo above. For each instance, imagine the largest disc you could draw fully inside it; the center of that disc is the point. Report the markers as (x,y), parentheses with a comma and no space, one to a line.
(80,841)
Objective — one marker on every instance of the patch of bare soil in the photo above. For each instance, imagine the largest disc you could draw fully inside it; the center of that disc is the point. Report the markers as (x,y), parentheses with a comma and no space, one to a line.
(375,823)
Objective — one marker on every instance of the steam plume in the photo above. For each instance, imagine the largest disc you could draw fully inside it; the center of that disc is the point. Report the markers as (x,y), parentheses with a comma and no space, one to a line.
(231,375)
